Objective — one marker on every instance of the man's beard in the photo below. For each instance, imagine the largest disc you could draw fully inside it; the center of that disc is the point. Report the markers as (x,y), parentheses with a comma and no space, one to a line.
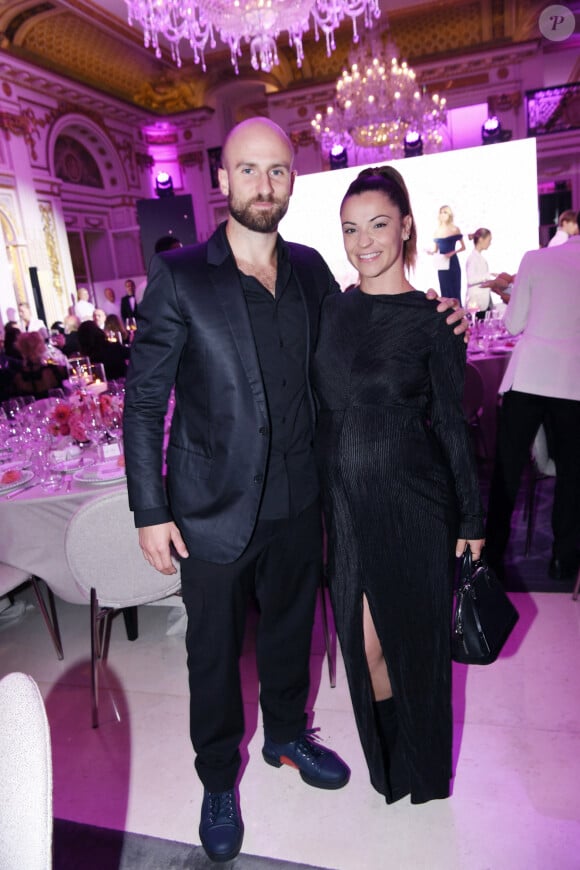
(258,221)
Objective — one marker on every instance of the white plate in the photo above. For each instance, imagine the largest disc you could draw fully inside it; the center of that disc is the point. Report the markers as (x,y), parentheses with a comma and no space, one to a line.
(68,466)
(10,464)
(104,472)
(25,477)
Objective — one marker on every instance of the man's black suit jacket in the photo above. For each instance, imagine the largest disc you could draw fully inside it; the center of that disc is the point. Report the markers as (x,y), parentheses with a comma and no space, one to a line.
(194,331)
(128,308)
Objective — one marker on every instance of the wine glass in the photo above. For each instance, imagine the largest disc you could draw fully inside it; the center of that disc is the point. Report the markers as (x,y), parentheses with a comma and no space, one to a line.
(131,326)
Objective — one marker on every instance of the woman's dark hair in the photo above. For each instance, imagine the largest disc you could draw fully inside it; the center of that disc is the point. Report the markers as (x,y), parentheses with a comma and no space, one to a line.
(481,233)
(113,323)
(390,182)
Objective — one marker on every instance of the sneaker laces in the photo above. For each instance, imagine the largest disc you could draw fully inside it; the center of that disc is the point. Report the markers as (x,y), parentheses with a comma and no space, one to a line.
(222,806)
(307,743)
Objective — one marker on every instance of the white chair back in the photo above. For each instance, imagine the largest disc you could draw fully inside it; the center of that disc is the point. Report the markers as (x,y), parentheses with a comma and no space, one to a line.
(103,553)
(25,776)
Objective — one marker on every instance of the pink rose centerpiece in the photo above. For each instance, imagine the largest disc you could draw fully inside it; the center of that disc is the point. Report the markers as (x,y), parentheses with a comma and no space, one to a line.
(75,417)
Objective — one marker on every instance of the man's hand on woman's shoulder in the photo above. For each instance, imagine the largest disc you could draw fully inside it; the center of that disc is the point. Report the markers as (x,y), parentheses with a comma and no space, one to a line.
(457,316)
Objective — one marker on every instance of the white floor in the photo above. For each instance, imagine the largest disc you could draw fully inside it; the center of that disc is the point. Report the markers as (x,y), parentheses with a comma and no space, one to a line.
(516,796)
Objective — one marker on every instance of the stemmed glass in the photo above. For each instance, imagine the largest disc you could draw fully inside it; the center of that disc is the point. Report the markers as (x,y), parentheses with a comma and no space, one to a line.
(95,428)
(131,326)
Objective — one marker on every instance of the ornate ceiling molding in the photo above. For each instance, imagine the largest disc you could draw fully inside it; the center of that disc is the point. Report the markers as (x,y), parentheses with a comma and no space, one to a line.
(77,39)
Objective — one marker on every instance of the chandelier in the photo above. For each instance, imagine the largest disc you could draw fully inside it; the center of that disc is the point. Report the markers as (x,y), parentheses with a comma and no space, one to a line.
(378,103)
(258,23)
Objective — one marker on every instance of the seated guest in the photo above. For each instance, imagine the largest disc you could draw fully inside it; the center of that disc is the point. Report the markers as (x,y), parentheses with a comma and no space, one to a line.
(99,317)
(11,356)
(114,326)
(35,378)
(54,351)
(29,323)
(71,339)
(10,360)
(93,343)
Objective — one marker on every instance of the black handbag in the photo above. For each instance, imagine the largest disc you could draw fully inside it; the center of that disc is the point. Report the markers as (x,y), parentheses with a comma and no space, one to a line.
(483,615)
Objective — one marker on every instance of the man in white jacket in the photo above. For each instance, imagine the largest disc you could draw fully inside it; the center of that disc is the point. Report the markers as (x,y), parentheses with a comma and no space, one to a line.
(541,385)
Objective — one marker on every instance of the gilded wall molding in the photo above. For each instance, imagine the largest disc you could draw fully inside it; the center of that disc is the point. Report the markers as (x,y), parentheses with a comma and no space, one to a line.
(49,230)
(26,124)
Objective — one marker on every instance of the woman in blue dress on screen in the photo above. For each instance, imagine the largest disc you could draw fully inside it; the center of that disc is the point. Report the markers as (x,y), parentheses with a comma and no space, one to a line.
(447,237)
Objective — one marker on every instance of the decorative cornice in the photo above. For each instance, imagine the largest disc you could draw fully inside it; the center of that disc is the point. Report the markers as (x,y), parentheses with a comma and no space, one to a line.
(192,158)
(504,102)
(302,138)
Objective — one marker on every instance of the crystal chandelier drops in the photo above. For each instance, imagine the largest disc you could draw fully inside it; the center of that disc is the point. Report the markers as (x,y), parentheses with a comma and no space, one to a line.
(379,102)
(258,23)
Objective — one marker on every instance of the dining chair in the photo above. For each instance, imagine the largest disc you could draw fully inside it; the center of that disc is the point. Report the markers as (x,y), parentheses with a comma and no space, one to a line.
(110,573)
(11,578)
(542,467)
(25,776)
(473,392)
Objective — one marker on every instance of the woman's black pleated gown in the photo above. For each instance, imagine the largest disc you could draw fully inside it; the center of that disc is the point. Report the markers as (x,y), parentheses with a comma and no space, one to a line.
(399,486)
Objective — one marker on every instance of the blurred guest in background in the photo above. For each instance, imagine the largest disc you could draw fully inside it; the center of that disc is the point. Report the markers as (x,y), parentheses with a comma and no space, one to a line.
(29,323)
(35,378)
(10,360)
(128,302)
(446,238)
(541,386)
(99,317)
(11,357)
(567,226)
(71,339)
(477,272)
(115,329)
(93,343)
(83,307)
(54,351)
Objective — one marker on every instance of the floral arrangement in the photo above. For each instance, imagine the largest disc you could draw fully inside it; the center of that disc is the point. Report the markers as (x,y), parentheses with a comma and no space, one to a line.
(75,416)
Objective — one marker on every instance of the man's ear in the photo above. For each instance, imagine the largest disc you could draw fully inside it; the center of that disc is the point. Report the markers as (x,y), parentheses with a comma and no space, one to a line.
(223,181)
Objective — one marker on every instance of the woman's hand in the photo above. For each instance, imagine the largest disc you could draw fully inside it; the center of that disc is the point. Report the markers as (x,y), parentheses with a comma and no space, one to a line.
(476,546)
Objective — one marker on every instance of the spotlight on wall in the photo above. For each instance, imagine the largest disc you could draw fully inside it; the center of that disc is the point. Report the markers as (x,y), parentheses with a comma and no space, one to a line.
(338,157)
(163,184)
(413,145)
(492,132)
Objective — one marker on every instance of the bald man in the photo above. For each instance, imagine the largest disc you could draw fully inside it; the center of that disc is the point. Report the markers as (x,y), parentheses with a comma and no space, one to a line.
(231,324)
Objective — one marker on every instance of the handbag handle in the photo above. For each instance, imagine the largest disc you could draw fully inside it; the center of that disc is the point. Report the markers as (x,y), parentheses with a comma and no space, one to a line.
(466,570)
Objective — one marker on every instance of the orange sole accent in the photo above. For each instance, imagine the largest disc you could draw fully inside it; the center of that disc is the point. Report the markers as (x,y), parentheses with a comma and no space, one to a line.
(285,760)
